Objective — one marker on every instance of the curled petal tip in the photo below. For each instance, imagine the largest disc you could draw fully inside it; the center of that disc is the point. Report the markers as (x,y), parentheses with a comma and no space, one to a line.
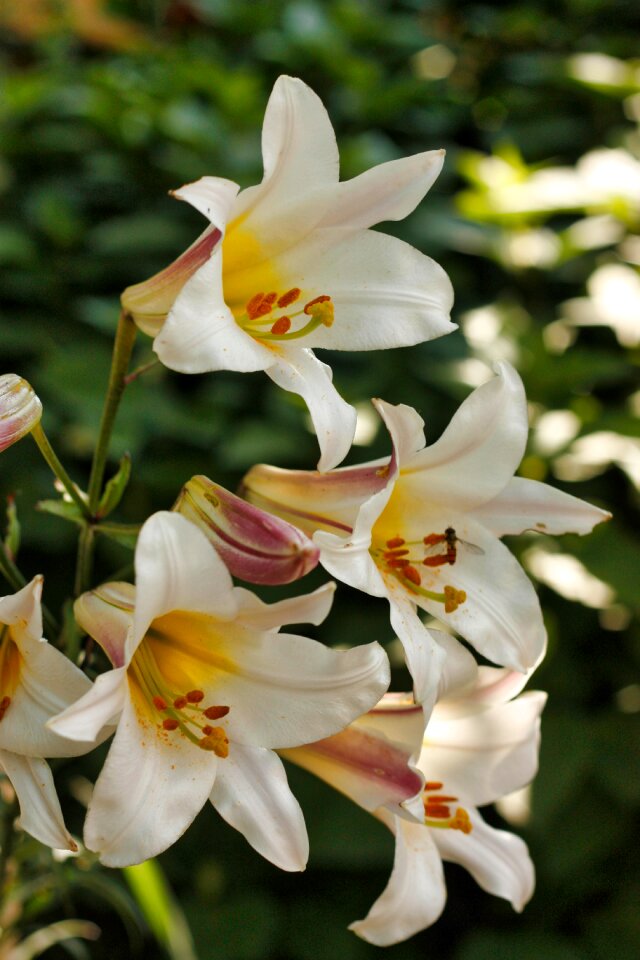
(255,545)
(20,409)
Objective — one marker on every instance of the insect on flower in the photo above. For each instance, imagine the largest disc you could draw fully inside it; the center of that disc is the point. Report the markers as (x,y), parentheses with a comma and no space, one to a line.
(452,542)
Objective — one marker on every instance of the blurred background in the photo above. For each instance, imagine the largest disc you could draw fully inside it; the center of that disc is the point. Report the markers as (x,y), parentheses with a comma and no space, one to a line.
(108,104)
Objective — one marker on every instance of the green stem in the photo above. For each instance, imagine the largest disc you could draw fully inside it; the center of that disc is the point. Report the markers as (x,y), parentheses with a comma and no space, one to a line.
(113,529)
(49,455)
(122,348)
(84,559)
(7,839)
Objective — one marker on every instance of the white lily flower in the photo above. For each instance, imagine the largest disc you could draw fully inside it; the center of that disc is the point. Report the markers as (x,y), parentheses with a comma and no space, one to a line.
(422,528)
(290,265)
(205,688)
(36,682)
(479,745)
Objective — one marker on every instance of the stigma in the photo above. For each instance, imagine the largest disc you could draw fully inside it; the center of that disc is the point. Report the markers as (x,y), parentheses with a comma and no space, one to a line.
(267,316)
(438,812)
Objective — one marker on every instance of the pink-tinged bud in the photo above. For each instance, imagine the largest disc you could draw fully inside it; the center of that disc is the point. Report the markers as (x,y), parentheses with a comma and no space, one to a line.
(255,545)
(20,409)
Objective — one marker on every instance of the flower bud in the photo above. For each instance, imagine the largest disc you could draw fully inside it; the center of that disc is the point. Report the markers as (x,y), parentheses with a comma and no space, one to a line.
(255,545)
(20,409)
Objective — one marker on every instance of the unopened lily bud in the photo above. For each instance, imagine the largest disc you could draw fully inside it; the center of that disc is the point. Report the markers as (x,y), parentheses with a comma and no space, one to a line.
(20,409)
(255,545)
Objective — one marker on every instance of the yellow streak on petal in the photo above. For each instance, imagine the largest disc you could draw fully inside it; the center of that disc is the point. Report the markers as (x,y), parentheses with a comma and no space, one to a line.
(9,662)
(190,649)
(246,269)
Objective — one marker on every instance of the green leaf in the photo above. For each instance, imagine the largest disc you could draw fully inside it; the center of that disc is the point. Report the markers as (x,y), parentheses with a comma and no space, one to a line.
(61,508)
(115,488)
(160,909)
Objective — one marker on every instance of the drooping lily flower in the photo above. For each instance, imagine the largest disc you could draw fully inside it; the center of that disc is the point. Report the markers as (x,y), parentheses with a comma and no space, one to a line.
(205,689)
(20,409)
(290,265)
(479,745)
(36,682)
(422,527)
(255,545)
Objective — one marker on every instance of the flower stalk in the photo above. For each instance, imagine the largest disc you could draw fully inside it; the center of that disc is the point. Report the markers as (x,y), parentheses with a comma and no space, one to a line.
(54,463)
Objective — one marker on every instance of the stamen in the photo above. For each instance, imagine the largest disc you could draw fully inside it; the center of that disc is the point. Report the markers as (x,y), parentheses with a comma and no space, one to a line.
(195,696)
(289,297)
(433,785)
(462,821)
(400,562)
(216,713)
(170,724)
(180,703)
(394,554)
(437,811)
(395,542)
(282,325)
(159,703)
(412,574)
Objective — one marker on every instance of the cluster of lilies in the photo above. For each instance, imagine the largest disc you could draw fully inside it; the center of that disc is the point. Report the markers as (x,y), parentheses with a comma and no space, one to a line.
(207,690)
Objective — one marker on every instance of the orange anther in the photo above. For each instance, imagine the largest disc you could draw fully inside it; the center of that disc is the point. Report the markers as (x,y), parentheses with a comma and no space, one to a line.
(159,703)
(207,730)
(432,538)
(282,325)
(215,713)
(170,724)
(442,799)
(437,810)
(180,702)
(433,785)
(195,696)
(412,574)
(321,299)
(391,554)
(461,821)
(289,297)
(254,304)
(396,542)
(399,562)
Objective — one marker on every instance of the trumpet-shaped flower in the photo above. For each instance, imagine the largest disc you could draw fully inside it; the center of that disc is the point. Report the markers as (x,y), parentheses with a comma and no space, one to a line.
(422,528)
(20,409)
(255,545)
(290,265)
(205,688)
(36,682)
(479,745)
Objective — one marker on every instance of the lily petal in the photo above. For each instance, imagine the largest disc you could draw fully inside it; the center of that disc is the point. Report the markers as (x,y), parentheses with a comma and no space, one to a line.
(22,611)
(531,505)
(200,332)
(291,690)
(106,614)
(498,861)
(415,895)
(385,292)
(98,708)
(165,789)
(252,794)
(177,569)
(478,453)
(334,420)
(312,500)
(501,616)
(389,191)
(425,657)
(486,754)
(213,197)
(364,764)
(40,813)
(308,608)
